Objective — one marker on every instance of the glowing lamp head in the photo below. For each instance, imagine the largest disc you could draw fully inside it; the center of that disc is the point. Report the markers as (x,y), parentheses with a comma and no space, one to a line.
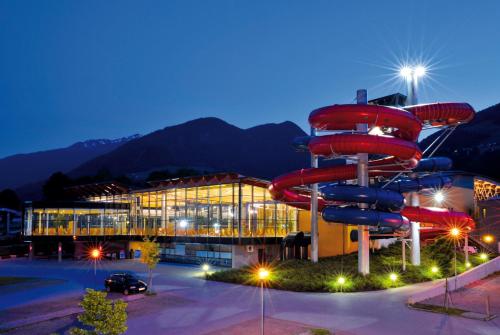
(488,238)
(434,269)
(483,256)
(341,280)
(455,232)
(439,197)
(406,72)
(183,223)
(205,267)
(393,277)
(95,253)
(468,265)
(263,273)
(419,71)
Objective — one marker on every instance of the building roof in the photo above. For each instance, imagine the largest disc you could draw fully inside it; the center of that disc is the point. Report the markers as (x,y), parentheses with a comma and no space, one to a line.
(97,189)
(206,180)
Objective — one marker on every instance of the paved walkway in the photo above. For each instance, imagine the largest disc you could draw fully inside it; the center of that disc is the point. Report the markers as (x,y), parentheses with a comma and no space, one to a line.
(189,305)
(473,297)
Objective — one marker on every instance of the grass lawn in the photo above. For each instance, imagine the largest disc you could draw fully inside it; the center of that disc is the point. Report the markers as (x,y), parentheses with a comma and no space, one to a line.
(14,280)
(304,276)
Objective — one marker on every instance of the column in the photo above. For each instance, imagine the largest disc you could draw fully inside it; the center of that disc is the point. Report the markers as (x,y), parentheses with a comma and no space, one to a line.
(314,210)
(363,181)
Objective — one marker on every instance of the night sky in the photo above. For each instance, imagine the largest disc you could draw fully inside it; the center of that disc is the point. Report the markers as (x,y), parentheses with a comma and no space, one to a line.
(76,70)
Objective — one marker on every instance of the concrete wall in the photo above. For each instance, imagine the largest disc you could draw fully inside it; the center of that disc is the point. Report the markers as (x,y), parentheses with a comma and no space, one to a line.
(241,256)
(438,287)
(333,237)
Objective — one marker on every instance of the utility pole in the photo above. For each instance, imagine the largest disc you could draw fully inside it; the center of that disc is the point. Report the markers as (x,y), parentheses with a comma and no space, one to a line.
(363,181)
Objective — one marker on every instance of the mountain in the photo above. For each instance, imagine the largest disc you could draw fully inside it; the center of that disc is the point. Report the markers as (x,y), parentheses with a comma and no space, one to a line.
(22,169)
(210,144)
(475,146)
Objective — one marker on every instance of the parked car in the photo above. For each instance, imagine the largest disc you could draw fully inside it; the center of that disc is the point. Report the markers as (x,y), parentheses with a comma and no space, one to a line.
(125,283)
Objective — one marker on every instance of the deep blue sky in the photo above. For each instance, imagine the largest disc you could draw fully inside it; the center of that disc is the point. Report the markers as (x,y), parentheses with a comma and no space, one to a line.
(75,70)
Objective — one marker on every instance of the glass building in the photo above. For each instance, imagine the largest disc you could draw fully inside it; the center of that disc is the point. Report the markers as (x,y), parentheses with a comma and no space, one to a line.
(194,219)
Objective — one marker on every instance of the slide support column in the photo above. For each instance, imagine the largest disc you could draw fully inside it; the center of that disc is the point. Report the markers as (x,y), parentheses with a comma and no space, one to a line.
(314,210)
(363,231)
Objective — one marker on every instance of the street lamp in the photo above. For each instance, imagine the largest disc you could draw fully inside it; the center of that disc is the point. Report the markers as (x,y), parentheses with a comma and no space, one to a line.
(95,254)
(411,76)
(455,234)
(262,275)
(488,238)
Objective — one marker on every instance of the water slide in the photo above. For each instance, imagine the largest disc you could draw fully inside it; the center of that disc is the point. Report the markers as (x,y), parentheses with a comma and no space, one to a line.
(397,152)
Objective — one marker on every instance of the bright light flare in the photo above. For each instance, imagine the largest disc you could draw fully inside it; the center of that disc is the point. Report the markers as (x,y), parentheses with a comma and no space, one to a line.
(205,267)
(95,253)
(439,197)
(455,232)
(341,280)
(419,71)
(376,131)
(393,277)
(468,265)
(483,256)
(183,223)
(488,238)
(406,72)
(263,273)
(434,269)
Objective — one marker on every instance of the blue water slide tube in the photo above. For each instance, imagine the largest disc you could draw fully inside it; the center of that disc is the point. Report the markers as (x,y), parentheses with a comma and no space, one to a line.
(382,198)
(366,217)
(418,184)
(434,164)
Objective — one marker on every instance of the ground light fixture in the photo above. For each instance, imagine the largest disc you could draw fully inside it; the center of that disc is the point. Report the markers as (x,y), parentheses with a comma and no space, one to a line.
(483,256)
(262,276)
(205,267)
(393,276)
(434,269)
(488,238)
(468,265)
(341,280)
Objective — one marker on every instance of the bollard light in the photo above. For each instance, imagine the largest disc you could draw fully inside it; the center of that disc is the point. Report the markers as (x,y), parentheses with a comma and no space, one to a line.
(393,276)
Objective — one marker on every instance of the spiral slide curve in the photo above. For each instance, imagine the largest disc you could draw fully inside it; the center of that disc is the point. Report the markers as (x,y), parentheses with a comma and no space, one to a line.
(400,152)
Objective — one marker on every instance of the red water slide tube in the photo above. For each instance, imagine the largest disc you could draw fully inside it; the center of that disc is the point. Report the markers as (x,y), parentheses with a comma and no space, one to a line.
(400,149)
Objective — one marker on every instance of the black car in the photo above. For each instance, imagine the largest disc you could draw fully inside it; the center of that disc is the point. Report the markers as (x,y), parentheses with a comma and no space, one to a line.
(125,283)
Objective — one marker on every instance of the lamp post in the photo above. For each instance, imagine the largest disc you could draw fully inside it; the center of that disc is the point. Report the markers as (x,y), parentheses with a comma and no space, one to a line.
(95,254)
(263,275)
(455,234)
(411,76)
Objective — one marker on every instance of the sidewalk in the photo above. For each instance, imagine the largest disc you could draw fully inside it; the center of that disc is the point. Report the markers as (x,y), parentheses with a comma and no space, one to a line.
(473,296)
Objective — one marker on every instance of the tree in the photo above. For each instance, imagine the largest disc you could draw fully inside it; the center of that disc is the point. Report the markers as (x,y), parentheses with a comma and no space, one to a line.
(55,187)
(150,255)
(104,316)
(9,199)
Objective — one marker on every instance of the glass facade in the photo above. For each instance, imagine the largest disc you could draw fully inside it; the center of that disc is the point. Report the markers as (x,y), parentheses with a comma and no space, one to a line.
(234,209)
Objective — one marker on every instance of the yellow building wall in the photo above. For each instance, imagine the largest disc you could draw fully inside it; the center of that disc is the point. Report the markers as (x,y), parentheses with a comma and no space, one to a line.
(334,238)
